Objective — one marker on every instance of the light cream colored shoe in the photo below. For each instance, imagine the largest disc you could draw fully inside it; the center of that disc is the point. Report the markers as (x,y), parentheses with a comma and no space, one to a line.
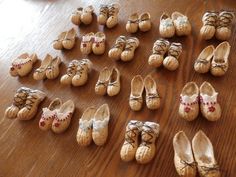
(98,45)
(210,108)
(131,44)
(220,63)
(103,14)
(103,80)
(181,23)
(204,156)
(70,73)
(147,149)
(117,49)
(113,11)
(203,62)
(114,82)
(130,145)
(145,22)
(166,28)
(185,164)
(53,69)
(75,17)
(87,15)
(136,98)
(57,44)
(86,43)
(84,133)
(69,41)
(132,23)
(100,125)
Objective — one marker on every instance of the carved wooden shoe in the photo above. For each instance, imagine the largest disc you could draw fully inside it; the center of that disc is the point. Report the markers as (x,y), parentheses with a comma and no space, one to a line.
(117,49)
(131,44)
(75,17)
(102,83)
(48,115)
(166,28)
(220,63)
(86,43)
(53,69)
(87,15)
(84,133)
(103,14)
(147,149)
(130,145)
(57,44)
(210,108)
(181,23)
(145,22)
(114,83)
(203,62)
(132,24)
(98,45)
(69,40)
(185,164)
(70,73)
(113,11)
(204,156)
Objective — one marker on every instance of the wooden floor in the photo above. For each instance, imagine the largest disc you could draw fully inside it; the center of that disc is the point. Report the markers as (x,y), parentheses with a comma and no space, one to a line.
(26,151)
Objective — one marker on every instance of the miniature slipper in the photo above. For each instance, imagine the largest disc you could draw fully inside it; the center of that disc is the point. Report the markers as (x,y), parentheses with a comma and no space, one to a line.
(87,15)
(204,155)
(98,45)
(171,61)
(210,108)
(185,164)
(84,133)
(132,24)
(103,80)
(130,145)
(63,117)
(117,49)
(137,87)
(131,44)
(203,62)
(103,14)
(69,40)
(86,43)
(100,125)
(57,44)
(147,149)
(181,23)
(113,11)
(189,107)
(48,115)
(145,22)
(70,73)
(166,28)
(53,70)
(114,83)
(75,17)
(220,63)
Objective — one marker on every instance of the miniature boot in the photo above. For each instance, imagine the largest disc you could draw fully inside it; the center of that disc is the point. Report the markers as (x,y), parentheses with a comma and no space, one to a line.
(166,28)
(114,83)
(53,69)
(102,83)
(75,17)
(98,45)
(103,15)
(131,44)
(71,71)
(86,43)
(113,15)
(181,23)
(145,22)
(132,24)
(87,15)
(117,49)
(69,41)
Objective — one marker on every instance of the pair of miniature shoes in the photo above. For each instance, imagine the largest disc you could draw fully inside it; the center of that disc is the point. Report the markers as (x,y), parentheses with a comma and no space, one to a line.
(146,150)
(213,59)
(108,82)
(49,68)
(160,48)
(141,22)
(93,43)
(108,15)
(82,15)
(198,156)
(137,87)
(190,97)
(23,64)
(25,104)
(57,116)
(176,24)
(218,24)
(93,125)
(124,48)
(77,72)
(66,40)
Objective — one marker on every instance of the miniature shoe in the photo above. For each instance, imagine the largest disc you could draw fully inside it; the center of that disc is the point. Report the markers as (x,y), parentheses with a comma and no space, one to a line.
(53,70)
(114,83)
(189,107)
(70,73)
(113,11)
(87,15)
(185,164)
(147,149)
(145,22)
(34,98)
(204,156)
(153,99)
(171,61)
(103,80)
(220,63)
(100,125)
(81,76)
(131,44)
(210,108)
(160,47)
(57,44)
(98,45)
(181,23)
(49,114)
(166,28)
(84,133)
(136,99)
(209,21)
(203,62)
(103,14)
(129,148)
(86,43)
(75,17)
(225,20)
(69,40)
(117,49)
(132,24)
(40,73)
(63,117)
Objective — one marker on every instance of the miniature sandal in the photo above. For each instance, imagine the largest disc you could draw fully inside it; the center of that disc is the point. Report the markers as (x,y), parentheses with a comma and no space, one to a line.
(57,44)
(103,14)
(113,11)
(181,23)
(210,108)
(86,43)
(87,15)
(204,155)
(132,23)
(103,80)
(98,45)
(203,62)
(49,114)
(147,149)
(131,44)
(117,49)
(69,40)
(75,17)
(114,83)
(166,28)
(145,22)
(53,70)
(71,71)
(130,145)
